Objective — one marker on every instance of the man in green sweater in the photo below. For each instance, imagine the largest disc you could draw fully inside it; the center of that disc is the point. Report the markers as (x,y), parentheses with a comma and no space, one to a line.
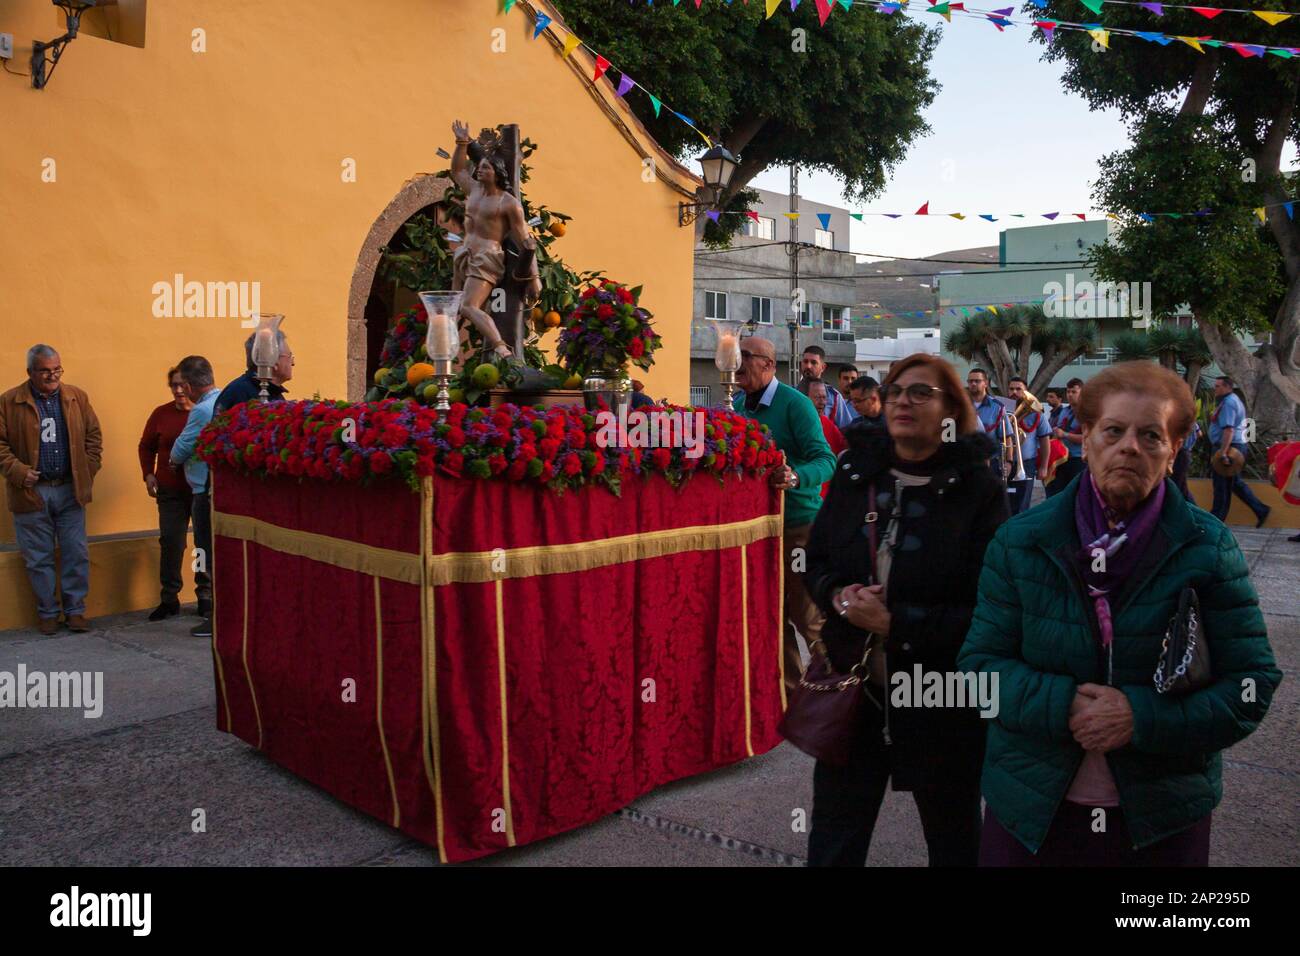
(797,431)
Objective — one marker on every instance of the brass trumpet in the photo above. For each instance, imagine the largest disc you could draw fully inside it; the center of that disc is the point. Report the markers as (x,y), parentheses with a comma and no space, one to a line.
(1010,435)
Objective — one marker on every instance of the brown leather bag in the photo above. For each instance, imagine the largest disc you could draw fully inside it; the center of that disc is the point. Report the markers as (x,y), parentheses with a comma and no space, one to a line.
(822,719)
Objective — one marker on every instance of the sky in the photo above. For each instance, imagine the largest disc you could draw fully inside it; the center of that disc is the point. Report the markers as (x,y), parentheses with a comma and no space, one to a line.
(1005,137)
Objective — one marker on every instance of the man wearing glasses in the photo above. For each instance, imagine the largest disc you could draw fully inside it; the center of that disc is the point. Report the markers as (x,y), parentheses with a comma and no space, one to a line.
(50,451)
(797,430)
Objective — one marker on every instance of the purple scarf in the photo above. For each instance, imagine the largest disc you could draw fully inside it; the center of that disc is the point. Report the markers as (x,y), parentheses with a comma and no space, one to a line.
(1123,545)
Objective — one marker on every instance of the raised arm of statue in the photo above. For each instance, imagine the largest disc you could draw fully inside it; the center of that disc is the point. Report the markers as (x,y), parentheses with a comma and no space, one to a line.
(460,158)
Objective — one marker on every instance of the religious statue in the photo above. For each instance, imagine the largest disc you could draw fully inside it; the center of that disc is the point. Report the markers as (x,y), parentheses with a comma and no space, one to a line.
(498,250)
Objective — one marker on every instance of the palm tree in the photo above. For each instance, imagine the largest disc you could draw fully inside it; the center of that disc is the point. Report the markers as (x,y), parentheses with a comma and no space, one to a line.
(970,340)
(1131,347)
(1060,343)
(1194,354)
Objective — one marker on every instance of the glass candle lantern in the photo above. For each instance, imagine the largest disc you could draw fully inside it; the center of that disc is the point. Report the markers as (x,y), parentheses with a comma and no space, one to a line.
(266,349)
(727,355)
(442,340)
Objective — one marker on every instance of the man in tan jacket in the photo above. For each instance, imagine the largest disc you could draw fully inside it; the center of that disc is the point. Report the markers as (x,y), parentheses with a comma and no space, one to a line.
(50,450)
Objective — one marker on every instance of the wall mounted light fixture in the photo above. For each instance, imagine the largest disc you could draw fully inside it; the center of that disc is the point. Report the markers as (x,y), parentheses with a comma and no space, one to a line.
(43,68)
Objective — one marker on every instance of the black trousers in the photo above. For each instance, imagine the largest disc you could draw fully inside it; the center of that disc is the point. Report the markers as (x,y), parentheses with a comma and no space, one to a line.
(202,515)
(173,525)
(1065,473)
(1182,462)
(846,802)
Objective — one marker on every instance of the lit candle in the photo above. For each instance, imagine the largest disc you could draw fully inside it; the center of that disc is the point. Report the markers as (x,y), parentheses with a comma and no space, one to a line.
(442,336)
(263,346)
(728,357)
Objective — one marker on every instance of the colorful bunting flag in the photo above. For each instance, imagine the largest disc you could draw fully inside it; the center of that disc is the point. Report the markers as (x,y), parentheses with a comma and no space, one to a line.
(823,10)
(1208,12)
(1289,207)
(990,218)
(957,215)
(1192,42)
(856,215)
(508,5)
(943,10)
(752,214)
(1102,37)
(771,7)
(654,101)
(792,216)
(1157,8)
(924,210)
(543,21)
(624,84)
(825,219)
(571,43)
(888,8)
(713,214)
(1272,19)
(1050,215)
(1093,5)
(602,65)
(1263,217)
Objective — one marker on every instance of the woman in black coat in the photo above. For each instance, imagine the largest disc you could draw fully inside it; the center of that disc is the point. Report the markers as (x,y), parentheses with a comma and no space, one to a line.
(936,506)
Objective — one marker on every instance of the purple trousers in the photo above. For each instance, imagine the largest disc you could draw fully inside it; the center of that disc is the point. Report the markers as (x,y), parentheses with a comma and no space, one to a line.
(1071,842)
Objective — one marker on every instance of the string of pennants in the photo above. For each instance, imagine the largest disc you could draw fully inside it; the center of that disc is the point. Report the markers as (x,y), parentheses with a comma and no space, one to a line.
(1261,212)
(1002,18)
(625,85)
(969,310)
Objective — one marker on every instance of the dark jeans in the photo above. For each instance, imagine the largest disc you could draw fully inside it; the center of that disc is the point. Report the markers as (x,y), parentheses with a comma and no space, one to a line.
(1071,842)
(1225,488)
(846,801)
(1065,473)
(173,524)
(202,515)
(1182,462)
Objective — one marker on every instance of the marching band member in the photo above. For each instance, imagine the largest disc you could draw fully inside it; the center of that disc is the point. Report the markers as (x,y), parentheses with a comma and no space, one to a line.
(1034,429)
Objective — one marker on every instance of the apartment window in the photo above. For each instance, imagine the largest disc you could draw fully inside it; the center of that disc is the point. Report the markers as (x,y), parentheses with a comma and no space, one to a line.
(762,228)
(715,305)
(805,316)
(760,310)
(836,325)
(700,396)
(824,238)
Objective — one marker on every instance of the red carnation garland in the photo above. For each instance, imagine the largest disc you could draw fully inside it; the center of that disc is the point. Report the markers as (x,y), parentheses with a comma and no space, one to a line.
(558,447)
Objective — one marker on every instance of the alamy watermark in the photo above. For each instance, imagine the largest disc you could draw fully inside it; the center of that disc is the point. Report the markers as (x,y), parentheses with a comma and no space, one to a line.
(949,689)
(207,300)
(651,429)
(1098,300)
(73,689)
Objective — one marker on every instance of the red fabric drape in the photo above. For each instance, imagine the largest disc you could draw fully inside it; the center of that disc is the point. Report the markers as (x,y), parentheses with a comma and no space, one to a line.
(616,679)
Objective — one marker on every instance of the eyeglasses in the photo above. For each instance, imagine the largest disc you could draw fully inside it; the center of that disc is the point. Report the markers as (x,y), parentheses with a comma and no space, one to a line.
(918,393)
(49,372)
(746,356)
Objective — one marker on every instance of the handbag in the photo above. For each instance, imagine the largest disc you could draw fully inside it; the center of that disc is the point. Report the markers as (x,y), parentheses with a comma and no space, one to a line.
(822,716)
(1184,664)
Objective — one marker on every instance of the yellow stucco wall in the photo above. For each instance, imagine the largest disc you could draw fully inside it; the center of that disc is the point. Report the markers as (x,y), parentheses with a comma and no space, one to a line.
(226,166)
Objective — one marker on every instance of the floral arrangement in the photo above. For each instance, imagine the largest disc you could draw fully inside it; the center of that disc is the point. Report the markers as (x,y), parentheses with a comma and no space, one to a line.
(557,447)
(607,330)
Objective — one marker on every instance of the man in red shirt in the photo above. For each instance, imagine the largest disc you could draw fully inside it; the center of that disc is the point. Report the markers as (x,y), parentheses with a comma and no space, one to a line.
(834,437)
(170,489)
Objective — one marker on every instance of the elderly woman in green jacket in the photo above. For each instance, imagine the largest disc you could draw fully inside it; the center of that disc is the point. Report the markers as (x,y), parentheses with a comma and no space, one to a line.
(1087,762)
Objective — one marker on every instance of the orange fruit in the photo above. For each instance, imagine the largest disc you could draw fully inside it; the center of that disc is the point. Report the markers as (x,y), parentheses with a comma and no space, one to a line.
(553,319)
(537,313)
(418,372)
(557,228)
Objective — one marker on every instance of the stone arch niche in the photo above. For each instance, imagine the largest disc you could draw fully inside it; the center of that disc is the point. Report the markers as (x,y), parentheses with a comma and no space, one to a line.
(368,310)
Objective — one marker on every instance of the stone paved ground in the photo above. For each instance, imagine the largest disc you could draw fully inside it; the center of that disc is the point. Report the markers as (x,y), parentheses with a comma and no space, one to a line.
(119,790)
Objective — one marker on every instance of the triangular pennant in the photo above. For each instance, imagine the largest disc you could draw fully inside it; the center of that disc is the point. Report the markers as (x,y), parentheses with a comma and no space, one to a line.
(625,83)
(602,65)
(1280,51)
(1271,18)
(1047,26)
(713,214)
(508,5)
(846,4)
(1192,42)
(1040,4)
(1255,49)
(1102,37)
(894,215)
(1208,12)
(571,43)
(888,8)
(1208,42)
(654,101)
(924,210)
(943,10)
(1263,216)
(1081,215)
(1018,215)
(1157,8)
(1093,5)
(825,219)
(993,309)
(856,215)
(1289,207)
(1146,217)
(989,217)
(957,215)
(791,215)
(543,21)
(771,7)
(1175,215)
(1000,22)
(1050,215)
(1155,38)
(823,10)
(752,214)
(1204,211)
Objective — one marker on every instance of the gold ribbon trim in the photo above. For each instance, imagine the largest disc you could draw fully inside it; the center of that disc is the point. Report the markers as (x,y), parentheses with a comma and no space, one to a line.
(478,567)
(350,555)
(379,703)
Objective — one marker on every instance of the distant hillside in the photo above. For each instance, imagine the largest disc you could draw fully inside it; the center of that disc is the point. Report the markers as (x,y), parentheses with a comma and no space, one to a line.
(895,285)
